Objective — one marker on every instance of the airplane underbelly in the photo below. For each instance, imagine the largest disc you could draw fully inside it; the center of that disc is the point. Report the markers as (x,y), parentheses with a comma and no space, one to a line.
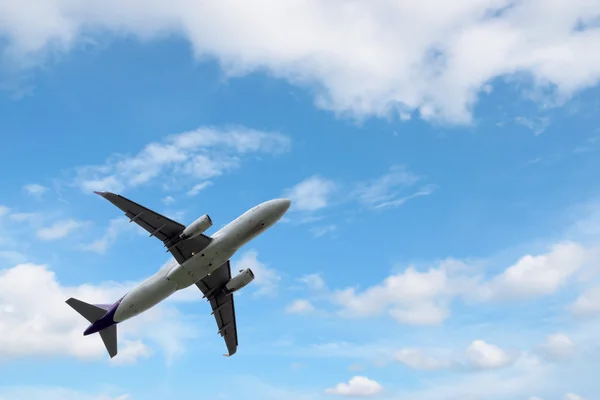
(199,266)
(148,294)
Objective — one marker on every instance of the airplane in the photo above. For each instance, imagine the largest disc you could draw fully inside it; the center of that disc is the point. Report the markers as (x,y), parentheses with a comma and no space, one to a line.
(198,259)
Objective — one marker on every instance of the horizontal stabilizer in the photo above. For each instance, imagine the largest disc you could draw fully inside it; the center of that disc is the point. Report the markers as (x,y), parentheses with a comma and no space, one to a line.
(93,313)
(109,337)
(88,311)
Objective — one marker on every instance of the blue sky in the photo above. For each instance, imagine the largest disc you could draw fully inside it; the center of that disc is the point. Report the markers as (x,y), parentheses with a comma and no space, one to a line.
(443,241)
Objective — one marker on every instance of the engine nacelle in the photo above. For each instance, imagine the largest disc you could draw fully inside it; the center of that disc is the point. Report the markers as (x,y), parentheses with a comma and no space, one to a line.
(239,281)
(197,227)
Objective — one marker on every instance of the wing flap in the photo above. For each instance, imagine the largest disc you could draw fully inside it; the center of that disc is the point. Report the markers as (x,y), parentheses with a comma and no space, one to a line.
(225,317)
(223,306)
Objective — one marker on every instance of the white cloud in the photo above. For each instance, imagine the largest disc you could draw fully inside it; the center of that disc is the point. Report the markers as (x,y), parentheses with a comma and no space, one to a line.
(22,217)
(53,393)
(572,396)
(323,230)
(404,56)
(358,386)
(385,191)
(557,347)
(313,281)
(410,297)
(254,388)
(421,313)
(12,257)
(588,303)
(181,327)
(106,183)
(59,229)
(591,144)
(311,194)
(501,372)
(538,125)
(35,189)
(4,210)
(116,226)
(498,374)
(419,360)
(300,306)
(483,355)
(479,355)
(424,191)
(132,350)
(538,275)
(265,278)
(186,154)
(424,296)
(517,381)
(168,200)
(35,321)
(198,188)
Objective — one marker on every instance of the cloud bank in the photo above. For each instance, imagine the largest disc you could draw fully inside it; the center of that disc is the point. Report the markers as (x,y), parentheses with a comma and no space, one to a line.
(364,58)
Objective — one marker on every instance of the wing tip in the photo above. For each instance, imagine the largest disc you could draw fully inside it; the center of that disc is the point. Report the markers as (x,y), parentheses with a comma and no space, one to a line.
(105,194)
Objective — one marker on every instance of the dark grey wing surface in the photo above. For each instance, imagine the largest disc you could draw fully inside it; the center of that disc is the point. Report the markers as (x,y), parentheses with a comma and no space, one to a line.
(163,228)
(222,305)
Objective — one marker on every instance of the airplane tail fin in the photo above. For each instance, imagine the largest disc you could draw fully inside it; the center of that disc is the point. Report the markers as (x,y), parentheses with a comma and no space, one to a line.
(93,313)
(109,338)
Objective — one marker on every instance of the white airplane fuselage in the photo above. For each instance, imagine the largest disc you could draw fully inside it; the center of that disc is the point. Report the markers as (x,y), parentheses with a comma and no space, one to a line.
(173,277)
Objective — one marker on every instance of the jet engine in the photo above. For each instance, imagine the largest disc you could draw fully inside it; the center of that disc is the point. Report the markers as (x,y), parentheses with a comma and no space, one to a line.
(239,281)
(197,227)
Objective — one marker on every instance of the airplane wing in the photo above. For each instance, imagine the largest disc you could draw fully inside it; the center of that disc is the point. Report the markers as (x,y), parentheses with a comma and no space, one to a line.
(222,305)
(165,229)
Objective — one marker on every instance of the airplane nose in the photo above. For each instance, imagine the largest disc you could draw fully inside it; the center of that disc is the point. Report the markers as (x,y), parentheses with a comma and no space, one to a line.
(286,203)
(283,205)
